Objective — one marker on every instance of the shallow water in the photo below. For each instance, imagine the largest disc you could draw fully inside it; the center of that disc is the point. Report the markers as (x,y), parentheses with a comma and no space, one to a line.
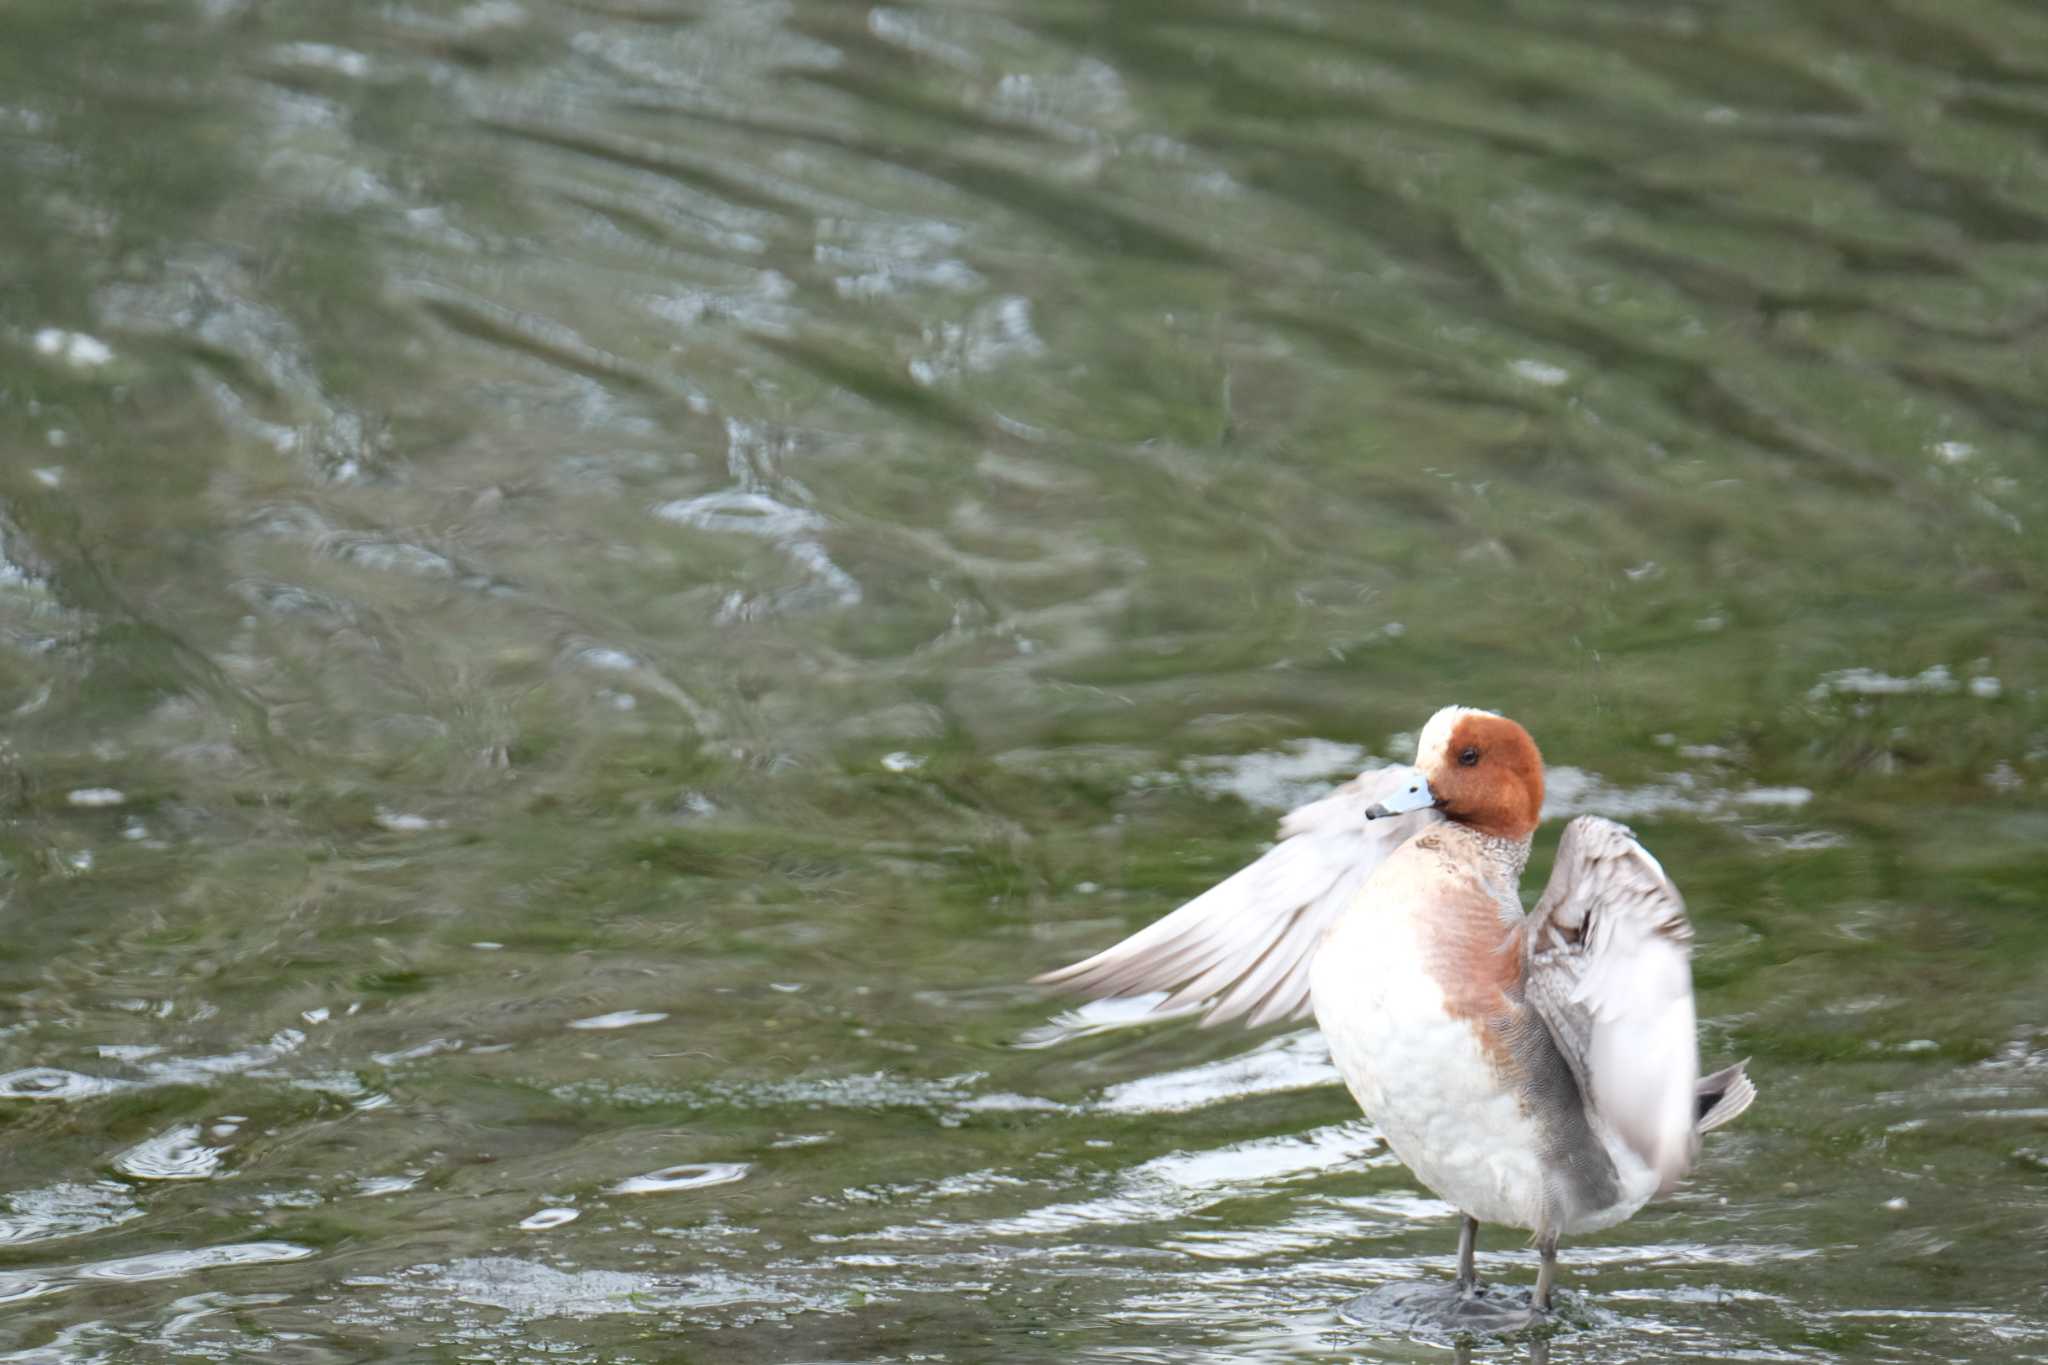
(588,586)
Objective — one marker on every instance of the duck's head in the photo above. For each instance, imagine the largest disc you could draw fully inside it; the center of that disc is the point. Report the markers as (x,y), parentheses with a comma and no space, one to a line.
(1478,768)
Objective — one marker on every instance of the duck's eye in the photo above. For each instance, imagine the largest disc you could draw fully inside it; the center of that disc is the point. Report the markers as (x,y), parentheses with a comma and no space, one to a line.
(1469,758)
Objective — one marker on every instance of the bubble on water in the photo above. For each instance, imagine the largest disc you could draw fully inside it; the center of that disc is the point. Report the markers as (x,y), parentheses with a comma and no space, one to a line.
(96,796)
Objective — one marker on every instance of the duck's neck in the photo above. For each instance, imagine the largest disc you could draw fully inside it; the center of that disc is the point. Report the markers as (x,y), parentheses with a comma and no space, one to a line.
(1505,855)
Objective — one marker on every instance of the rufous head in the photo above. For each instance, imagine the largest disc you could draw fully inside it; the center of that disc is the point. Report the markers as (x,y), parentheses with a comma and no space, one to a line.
(1478,768)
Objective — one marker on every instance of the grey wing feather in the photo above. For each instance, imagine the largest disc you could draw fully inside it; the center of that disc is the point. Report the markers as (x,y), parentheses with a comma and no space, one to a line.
(1243,947)
(1725,1095)
(1606,964)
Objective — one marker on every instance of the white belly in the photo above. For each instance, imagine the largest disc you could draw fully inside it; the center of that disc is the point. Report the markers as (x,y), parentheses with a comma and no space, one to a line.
(1423,1076)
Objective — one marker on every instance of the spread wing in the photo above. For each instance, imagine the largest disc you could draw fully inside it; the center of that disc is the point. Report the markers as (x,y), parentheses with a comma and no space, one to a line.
(1607,965)
(1243,947)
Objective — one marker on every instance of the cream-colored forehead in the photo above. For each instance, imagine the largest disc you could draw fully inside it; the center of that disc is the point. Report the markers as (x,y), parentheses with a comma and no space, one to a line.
(1432,749)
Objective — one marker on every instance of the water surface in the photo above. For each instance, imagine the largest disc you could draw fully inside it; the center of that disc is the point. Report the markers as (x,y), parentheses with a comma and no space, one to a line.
(588,586)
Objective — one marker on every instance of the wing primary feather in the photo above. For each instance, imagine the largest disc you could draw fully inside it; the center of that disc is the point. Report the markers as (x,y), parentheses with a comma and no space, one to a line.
(1724,1096)
(1243,947)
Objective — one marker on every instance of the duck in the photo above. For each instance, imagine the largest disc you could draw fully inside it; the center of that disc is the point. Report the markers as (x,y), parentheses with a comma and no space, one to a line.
(1537,1071)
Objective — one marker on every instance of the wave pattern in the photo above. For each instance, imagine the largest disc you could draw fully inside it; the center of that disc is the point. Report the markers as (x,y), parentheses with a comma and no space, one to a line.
(769,521)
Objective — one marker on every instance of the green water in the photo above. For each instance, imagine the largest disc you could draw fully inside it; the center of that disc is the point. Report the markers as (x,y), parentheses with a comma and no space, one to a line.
(755,527)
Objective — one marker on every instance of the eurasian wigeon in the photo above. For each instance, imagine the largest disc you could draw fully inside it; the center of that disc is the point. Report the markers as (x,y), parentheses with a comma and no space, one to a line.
(1537,1071)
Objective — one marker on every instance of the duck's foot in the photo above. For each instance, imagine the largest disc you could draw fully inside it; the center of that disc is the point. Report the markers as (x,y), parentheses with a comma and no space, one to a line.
(1450,1309)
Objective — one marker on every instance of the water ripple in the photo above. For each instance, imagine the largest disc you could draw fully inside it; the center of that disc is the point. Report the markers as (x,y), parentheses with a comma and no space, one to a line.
(53,1083)
(548,1218)
(177,1154)
(527,1291)
(64,1210)
(1297,1061)
(165,1265)
(619,1019)
(686,1177)
(1006,426)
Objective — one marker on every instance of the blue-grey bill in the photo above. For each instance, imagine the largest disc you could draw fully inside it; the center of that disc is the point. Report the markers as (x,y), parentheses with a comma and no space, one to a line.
(1414,795)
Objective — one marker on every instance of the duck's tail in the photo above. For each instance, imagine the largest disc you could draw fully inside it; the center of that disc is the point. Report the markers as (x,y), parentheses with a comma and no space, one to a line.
(1724,1095)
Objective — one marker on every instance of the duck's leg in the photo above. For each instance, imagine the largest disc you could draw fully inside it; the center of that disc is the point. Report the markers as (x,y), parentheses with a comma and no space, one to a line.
(1464,1306)
(1540,1300)
(1468,1243)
